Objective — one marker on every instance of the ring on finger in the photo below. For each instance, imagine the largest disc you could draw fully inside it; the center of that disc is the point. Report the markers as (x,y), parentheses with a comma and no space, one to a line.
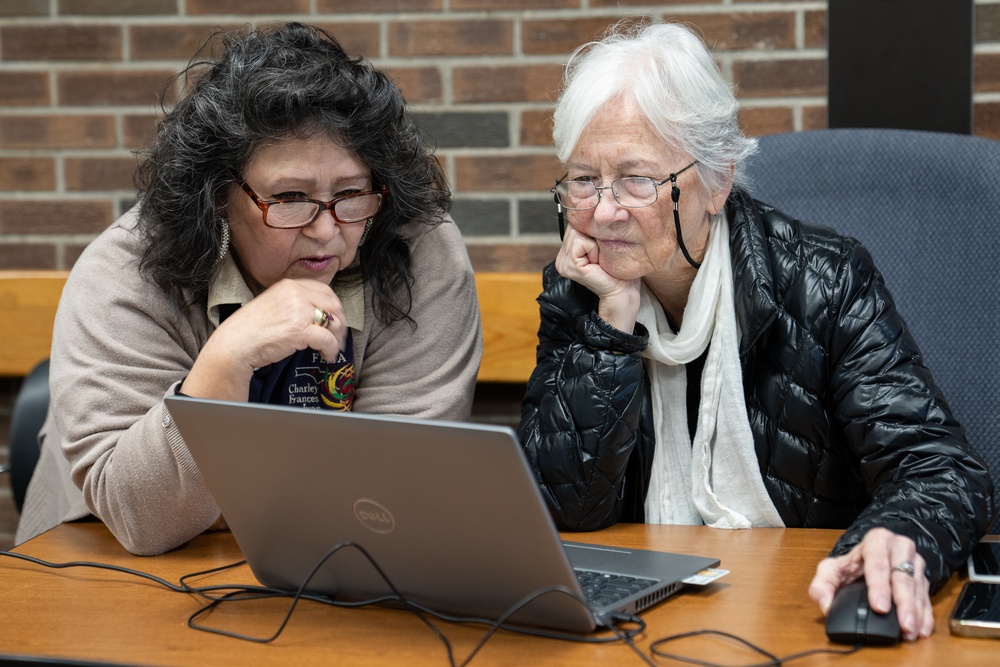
(322,318)
(906,567)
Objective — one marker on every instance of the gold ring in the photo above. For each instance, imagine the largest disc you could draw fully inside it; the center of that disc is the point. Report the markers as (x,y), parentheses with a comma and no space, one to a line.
(322,318)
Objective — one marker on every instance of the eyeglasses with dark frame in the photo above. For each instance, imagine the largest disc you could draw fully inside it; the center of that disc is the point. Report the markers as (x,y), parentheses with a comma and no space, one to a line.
(631,191)
(297,213)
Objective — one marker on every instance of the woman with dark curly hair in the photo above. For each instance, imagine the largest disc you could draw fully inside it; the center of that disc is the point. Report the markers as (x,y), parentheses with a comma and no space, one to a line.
(292,246)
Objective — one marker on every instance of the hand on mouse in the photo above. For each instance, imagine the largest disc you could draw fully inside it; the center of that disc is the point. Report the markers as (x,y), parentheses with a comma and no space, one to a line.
(874,559)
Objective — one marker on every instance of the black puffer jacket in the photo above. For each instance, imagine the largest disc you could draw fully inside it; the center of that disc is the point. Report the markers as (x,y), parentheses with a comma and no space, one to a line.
(849,427)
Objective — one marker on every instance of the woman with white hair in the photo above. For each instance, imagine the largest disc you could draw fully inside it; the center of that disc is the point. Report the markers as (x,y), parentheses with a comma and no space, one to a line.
(705,359)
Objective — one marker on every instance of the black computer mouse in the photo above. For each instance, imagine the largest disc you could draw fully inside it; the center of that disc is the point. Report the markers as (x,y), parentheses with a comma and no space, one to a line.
(852,621)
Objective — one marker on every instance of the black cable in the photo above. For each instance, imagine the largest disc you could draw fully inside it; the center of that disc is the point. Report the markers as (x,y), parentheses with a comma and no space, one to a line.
(300,593)
(500,623)
(100,566)
(214,570)
(241,592)
(773,660)
(419,610)
(629,639)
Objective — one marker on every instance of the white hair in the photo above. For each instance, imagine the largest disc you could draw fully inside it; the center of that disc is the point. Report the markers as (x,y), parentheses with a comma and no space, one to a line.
(669,74)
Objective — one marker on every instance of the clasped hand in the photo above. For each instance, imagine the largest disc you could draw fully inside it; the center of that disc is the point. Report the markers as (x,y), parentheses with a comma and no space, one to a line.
(275,324)
(579,261)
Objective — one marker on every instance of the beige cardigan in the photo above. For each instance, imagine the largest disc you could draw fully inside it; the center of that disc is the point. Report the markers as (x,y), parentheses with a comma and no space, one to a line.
(110,448)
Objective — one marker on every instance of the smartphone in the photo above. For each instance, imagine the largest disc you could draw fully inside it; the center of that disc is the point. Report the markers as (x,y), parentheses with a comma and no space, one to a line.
(977,611)
(984,562)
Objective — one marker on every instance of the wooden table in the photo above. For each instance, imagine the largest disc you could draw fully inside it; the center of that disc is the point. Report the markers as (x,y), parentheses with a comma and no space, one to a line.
(88,614)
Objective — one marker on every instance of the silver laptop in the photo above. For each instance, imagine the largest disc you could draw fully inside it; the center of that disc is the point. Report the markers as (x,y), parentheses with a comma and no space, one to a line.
(449,511)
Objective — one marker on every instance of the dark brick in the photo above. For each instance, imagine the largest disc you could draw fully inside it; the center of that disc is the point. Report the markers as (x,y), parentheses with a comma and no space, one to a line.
(986,120)
(504,173)
(24,89)
(536,127)
(46,217)
(766,120)
(779,78)
(508,5)
(528,83)
(357,39)
(27,173)
(242,7)
(176,42)
(144,88)
(747,30)
(721,31)
(27,256)
(419,84)
(987,23)
(537,216)
(24,8)
(53,132)
(814,118)
(482,217)
(354,6)
(816,34)
(71,253)
(472,37)
(85,174)
(117,7)
(458,129)
(987,72)
(557,37)
(138,131)
(636,3)
(59,42)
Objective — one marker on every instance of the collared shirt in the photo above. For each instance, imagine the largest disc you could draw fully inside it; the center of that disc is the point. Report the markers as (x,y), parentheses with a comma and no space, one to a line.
(304,378)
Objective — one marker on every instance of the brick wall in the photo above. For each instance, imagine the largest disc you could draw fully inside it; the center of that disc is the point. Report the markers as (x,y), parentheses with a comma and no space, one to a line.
(80,80)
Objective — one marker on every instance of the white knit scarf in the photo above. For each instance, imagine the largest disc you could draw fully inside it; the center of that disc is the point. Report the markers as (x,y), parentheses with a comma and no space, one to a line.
(716,479)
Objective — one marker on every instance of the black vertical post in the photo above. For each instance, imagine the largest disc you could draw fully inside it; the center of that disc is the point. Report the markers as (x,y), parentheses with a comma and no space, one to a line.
(900,64)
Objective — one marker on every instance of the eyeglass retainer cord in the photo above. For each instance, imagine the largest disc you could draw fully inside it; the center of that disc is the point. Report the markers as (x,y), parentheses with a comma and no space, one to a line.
(675,196)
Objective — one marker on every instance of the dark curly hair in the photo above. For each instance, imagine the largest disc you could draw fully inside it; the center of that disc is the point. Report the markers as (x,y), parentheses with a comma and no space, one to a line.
(291,80)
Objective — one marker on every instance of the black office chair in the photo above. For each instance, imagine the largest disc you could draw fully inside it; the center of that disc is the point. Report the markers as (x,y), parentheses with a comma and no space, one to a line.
(927,207)
(27,417)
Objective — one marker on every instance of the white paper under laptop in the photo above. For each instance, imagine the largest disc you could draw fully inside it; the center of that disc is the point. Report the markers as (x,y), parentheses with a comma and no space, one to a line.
(449,511)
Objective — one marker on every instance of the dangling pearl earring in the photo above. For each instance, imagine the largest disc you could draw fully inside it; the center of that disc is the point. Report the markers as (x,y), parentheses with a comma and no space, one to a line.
(224,244)
(364,236)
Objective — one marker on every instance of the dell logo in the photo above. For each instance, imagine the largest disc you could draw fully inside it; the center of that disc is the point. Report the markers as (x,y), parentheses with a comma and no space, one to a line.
(373,516)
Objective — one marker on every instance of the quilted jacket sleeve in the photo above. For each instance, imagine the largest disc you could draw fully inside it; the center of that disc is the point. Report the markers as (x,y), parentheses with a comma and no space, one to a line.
(581,411)
(925,481)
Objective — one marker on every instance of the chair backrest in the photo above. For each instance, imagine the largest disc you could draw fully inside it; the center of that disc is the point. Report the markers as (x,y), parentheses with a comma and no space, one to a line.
(927,207)
(26,420)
